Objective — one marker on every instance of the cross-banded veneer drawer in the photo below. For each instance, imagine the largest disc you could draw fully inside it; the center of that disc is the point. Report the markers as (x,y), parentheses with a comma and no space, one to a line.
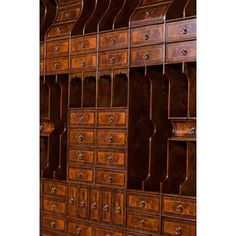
(134,234)
(94,198)
(59,47)
(50,234)
(180,228)
(54,206)
(81,118)
(81,137)
(178,52)
(53,223)
(147,35)
(82,175)
(110,178)
(60,30)
(68,14)
(57,65)
(119,208)
(102,231)
(54,189)
(81,156)
(147,55)
(181,30)
(84,62)
(113,40)
(79,228)
(84,44)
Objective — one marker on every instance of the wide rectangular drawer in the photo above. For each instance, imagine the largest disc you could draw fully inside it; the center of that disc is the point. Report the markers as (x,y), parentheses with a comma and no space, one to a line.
(179,207)
(54,189)
(84,62)
(176,227)
(112,119)
(108,158)
(113,59)
(84,44)
(81,156)
(59,47)
(181,30)
(178,52)
(142,222)
(41,66)
(113,40)
(81,118)
(68,14)
(79,228)
(140,201)
(57,65)
(60,30)
(147,55)
(147,35)
(53,223)
(111,138)
(81,137)
(82,175)
(110,178)
(102,231)
(54,206)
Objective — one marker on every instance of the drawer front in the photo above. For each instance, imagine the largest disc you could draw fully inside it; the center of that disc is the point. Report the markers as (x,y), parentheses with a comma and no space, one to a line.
(81,156)
(147,35)
(84,44)
(83,202)
(78,228)
(133,234)
(55,48)
(57,65)
(82,118)
(81,137)
(54,189)
(146,55)
(111,159)
(106,206)
(113,59)
(100,231)
(54,206)
(118,208)
(60,30)
(53,224)
(41,49)
(110,178)
(72,201)
(113,40)
(84,62)
(41,66)
(142,202)
(94,204)
(181,30)
(143,222)
(111,138)
(82,175)
(179,207)
(178,52)
(68,14)
(181,228)
(112,119)
(62,2)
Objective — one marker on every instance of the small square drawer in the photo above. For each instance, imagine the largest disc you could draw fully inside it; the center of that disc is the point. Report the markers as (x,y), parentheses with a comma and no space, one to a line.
(110,178)
(142,222)
(81,118)
(179,207)
(110,138)
(60,30)
(57,65)
(82,175)
(41,66)
(54,224)
(181,30)
(147,55)
(81,156)
(68,14)
(59,47)
(140,201)
(113,59)
(176,227)
(147,35)
(108,158)
(54,206)
(178,52)
(84,44)
(112,119)
(101,231)
(84,62)
(79,228)
(81,137)
(41,49)
(54,189)
(113,40)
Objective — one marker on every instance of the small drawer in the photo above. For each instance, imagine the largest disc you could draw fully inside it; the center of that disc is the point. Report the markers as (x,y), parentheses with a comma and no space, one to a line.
(176,227)
(147,55)
(94,204)
(60,30)
(84,62)
(113,59)
(178,52)
(83,202)
(81,156)
(106,206)
(84,44)
(59,47)
(142,222)
(72,199)
(180,207)
(134,234)
(41,49)
(112,119)
(181,30)
(46,127)
(41,66)
(142,202)
(81,137)
(118,208)
(54,189)
(78,228)
(110,138)
(108,158)
(53,223)
(147,35)
(81,118)
(57,65)
(101,231)
(82,175)
(50,234)
(68,14)
(113,40)
(54,206)
(110,178)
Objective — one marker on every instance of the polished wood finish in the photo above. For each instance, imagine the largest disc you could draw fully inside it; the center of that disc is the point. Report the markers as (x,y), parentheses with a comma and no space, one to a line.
(84,44)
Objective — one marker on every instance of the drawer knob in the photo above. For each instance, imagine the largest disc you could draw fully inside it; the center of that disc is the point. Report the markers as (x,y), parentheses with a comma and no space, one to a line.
(142,204)
(113,42)
(110,119)
(53,225)
(58,29)
(67,14)
(146,56)
(41,127)
(79,175)
(106,208)
(142,222)
(110,159)
(179,208)
(71,201)
(146,36)
(148,13)
(94,205)
(178,231)
(82,44)
(81,119)
(112,60)
(53,189)
(78,231)
(82,63)
(80,156)
(53,207)
(192,131)
(184,52)
(82,204)
(56,65)
(56,48)
(109,179)
(184,30)
(81,138)
(109,139)
(118,210)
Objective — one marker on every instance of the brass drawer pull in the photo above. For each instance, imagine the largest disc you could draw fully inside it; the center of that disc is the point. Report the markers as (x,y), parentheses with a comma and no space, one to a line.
(110,119)
(67,14)
(82,204)
(142,204)
(113,42)
(82,63)
(118,210)
(81,119)
(82,44)
(146,36)
(94,205)
(56,65)
(184,52)
(53,189)
(179,208)
(78,231)
(178,231)
(56,48)
(71,201)
(81,138)
(110,159)
(109,179)
(112,60)
(53,207)
(53,224)
(184,30)
(142,223)
(41,127)
(109,139)
(192,131)
(148,13)
(106,208)
(79,175)
(58,29)
(146,56)
(80,156)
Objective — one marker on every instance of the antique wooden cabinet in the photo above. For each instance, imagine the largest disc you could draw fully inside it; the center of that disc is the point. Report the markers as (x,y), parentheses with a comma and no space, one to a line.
(118,117)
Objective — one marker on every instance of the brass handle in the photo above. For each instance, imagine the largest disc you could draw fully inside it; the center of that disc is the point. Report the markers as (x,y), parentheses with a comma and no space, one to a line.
(178,231)
(81,138)
(142,204)
(56,65)
(82,204)
(67,14)
(109,139)
(109,179)
(148,13)
(112,60)
(113,42)
(53,189)
(146,56)
(53,225)
(71,201)
(81,118)
(192,131)
(82,44)
(53,207)
(56,48)
(78,231)
(110,119)
(179,208)
(118,210)
(106,208)
(80,156)
(41,127)
(94,205)
(142,223)
(82,63)
(184,52)
(184,30)
(146,36)
(110,159)
(79,175)
(58,29)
